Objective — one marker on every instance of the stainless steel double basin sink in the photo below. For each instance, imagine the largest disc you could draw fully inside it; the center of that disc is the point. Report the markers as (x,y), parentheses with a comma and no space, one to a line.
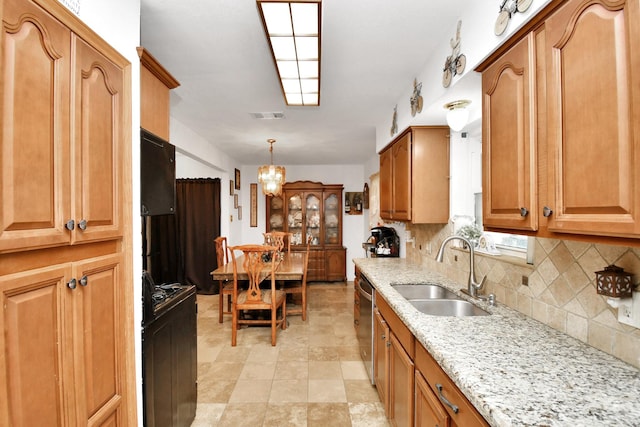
(436,300)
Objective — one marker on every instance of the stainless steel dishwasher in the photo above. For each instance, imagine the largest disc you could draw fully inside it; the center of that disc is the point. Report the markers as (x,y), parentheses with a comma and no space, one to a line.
(365,330)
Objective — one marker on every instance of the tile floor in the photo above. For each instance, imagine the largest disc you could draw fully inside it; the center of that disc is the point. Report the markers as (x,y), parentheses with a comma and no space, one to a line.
(313,376)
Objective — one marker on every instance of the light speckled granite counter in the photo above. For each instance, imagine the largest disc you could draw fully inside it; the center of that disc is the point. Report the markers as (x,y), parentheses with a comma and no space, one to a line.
(513,369)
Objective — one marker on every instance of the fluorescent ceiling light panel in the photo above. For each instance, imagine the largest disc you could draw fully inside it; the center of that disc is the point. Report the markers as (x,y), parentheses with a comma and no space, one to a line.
(293,33)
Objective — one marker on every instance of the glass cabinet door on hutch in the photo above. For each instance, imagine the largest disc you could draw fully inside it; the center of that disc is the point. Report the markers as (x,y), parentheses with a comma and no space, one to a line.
(312,219)
(294,218)
(276,216)
(312,209)
(332,212)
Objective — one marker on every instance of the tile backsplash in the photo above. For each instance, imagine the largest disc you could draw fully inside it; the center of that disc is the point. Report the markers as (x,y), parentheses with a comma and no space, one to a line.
(561,289)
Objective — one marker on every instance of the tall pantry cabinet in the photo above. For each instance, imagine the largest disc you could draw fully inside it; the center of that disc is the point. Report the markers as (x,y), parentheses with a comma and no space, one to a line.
(66,351)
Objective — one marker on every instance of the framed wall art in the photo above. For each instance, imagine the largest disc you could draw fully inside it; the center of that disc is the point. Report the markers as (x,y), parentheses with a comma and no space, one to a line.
(232,189)
(253,208)
(235,200)
(237,179)
(239,213)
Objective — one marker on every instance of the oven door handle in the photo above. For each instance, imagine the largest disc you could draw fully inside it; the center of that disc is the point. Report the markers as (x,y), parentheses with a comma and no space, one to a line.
(364,293)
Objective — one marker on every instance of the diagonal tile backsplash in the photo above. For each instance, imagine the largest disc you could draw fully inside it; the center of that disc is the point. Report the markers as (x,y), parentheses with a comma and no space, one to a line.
(561,291)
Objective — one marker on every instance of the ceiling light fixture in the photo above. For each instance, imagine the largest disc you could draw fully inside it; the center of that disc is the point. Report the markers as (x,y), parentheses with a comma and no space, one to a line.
(457,115)
(271,177)
(293,32)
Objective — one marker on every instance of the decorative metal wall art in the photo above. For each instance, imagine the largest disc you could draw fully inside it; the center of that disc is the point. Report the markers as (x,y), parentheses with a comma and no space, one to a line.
(508,8)
(394,121)
(455,63)
(416,98)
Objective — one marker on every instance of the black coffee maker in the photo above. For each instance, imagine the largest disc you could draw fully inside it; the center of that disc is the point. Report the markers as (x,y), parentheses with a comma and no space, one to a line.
(384,242)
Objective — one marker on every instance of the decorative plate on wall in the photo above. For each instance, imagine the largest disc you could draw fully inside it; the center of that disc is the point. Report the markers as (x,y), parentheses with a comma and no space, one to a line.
(416,98)
(455,63)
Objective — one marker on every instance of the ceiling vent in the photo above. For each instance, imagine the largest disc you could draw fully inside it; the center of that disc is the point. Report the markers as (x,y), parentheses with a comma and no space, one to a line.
(268,116)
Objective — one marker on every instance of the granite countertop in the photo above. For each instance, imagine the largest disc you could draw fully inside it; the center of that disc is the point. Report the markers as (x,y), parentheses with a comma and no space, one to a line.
(515,370)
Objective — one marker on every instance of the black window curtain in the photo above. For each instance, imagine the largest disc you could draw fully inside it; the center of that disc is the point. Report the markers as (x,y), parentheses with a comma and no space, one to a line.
(187,237)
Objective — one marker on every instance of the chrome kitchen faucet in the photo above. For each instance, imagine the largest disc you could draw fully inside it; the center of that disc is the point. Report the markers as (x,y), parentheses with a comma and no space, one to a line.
(472,285)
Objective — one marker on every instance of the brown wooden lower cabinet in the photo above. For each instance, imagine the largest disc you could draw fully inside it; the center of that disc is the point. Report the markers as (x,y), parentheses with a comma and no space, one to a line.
(393,364)
(62,351)
(356,300)
(326,265)
(400,384)
(381,358)
(460,411)
(413,388)
(429,410)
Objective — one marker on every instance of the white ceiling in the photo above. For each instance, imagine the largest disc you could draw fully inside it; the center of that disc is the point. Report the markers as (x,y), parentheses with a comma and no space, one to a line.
(217,50)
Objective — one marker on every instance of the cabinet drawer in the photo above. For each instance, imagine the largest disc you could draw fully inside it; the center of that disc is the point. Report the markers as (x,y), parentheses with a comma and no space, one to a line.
(467,415)
(398,327)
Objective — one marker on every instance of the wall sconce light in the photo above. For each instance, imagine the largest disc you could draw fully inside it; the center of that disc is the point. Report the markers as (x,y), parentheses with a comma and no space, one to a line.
(457,114)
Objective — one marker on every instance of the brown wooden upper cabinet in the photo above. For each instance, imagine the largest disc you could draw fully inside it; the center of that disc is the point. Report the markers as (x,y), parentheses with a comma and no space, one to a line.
(508,135)
(561,127)
(62,161)
(155,84)
(414,176)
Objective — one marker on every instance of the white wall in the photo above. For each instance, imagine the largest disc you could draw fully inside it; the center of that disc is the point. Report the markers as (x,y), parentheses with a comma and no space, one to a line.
(478,41)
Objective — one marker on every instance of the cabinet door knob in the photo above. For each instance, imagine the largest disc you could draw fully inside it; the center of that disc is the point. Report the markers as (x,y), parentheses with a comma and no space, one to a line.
(547,211)
(70,225)
(444,400)
(84,280)
(71,284)
(524,212)
(82,225)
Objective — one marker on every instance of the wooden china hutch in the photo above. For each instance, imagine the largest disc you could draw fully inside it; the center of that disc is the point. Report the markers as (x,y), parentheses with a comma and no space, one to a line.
(313,209)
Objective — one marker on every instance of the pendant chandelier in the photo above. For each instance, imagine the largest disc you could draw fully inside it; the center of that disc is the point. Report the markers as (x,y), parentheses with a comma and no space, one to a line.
(272,177)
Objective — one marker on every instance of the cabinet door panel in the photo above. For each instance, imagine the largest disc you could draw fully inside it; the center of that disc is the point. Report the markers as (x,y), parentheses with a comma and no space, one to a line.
(386,185)
(97,134)
(509,155)
(332,213)
(336,268)
(401,154)
(430,170)
(34,148)
(99,344)
(593,78)
(429,410)
(401,382)
(381,358)
(34,348)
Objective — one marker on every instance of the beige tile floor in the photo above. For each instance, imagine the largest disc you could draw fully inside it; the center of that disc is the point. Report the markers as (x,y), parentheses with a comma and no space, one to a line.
(313,376)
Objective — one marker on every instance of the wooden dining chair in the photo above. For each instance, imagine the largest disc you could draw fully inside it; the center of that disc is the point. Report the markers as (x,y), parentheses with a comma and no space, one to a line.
(279,239)
(259,262)
(225,286)
(293,288)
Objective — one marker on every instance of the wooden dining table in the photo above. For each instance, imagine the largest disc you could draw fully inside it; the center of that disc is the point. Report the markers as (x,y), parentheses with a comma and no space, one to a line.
(291,267)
